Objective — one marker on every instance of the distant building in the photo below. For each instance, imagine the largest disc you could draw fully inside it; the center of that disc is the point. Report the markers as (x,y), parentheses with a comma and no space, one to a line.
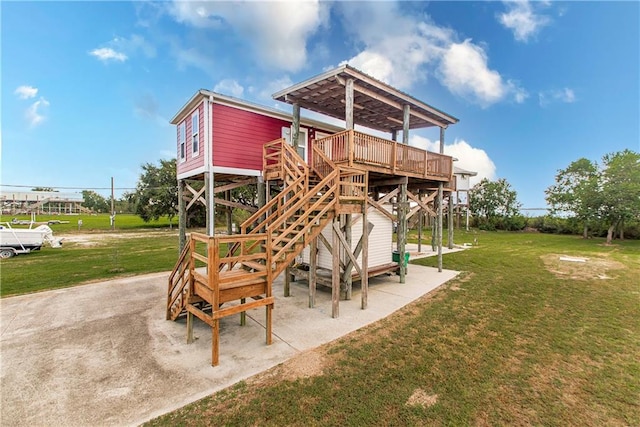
(40,202)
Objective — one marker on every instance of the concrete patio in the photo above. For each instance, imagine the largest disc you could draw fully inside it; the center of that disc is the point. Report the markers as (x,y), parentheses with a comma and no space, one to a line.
(103,354)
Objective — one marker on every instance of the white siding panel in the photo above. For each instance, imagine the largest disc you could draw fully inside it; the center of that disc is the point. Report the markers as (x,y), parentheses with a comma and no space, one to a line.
(380,240)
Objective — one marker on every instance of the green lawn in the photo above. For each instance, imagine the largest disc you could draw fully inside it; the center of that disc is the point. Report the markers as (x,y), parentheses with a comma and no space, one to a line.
(508,343)
(96,222)
(103,256)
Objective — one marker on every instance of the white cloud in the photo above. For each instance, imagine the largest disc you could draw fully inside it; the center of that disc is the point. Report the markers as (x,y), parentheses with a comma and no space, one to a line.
(274,86)
(121,48)
(35,114)
(465,72)
(229,87)
(132,45)
(26,92)
(469,158)
(522,19)
(564,95)
(411,49)
(106,54)
(276,31)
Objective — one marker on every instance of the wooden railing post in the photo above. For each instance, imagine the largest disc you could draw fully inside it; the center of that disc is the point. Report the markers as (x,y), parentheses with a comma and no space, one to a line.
(351,146)
(394,155)
(426,156)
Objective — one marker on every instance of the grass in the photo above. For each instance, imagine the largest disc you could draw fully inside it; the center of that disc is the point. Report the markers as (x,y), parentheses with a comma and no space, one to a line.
(516,339)
(112,256)
(96,222)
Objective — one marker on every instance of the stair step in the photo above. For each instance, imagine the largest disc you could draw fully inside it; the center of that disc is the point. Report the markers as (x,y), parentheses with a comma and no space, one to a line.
(253,265)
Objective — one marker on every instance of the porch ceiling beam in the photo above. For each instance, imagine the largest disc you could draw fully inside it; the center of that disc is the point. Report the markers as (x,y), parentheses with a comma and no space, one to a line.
(312,105)
(404,97)
(389,181)
(393,103)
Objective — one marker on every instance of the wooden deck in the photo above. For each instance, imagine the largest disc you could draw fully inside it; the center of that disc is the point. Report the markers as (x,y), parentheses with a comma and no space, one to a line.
(358,150)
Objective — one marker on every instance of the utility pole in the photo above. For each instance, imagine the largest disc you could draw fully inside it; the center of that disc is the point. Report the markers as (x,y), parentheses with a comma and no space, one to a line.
(113,210)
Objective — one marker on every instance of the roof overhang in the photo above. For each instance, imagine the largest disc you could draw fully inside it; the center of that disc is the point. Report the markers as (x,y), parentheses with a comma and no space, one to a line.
(460,171)
(376,104)
(231,101)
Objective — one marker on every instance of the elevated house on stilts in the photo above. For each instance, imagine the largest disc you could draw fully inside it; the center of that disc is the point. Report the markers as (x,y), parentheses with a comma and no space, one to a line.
(319,187)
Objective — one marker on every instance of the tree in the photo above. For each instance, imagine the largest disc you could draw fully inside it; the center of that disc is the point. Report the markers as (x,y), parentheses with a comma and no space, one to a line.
(94,201)
(620,194)
(156,194)
(577,190)
(495,204)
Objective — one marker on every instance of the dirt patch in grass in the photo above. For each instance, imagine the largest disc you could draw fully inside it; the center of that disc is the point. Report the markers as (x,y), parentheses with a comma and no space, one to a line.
(593,267)
(462,278)
(422,398)
(304,365)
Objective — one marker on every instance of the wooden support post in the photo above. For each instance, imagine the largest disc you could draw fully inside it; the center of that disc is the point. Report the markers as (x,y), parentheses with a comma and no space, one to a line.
(189,327)
(182,217)
(243,314)
(402,230)
(287,281)
(348,101)
(335,272)
(215,342)
(457,208)
(394,135)
(269,321)
(364,277)
(440,203)
(295,137)
(420,219)
(229,213)
(402,208)
(262,196)
(210,203)
(406,117)
(434,228)
(313,271)
(347,278)
(450,222)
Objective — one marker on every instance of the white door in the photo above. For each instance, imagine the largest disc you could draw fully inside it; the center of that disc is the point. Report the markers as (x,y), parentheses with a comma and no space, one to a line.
(303,140)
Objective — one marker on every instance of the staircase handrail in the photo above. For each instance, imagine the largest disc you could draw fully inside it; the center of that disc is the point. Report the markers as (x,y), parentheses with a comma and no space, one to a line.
(321,156)
(180,266)
(279,200)
(303,199)
(328,197)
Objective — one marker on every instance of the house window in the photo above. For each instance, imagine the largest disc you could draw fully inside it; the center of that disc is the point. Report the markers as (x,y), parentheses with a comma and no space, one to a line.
(182,139)
(195,127)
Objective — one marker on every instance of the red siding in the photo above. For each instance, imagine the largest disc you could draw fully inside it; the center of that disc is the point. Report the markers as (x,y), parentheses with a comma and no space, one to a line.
(238,136)
(191,162)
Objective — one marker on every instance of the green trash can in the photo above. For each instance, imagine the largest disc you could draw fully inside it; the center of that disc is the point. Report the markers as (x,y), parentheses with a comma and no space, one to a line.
(395,257)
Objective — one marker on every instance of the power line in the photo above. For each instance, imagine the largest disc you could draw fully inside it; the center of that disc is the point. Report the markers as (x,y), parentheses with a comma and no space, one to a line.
(79,188)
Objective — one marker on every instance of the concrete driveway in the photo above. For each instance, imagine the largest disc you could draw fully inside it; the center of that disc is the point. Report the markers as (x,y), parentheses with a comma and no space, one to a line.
(103,354)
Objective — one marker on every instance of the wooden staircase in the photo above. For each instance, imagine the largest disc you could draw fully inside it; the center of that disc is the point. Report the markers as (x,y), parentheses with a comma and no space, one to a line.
(212,271)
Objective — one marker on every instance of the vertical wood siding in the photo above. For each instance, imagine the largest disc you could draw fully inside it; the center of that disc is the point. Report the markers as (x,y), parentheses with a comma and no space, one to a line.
(380,241)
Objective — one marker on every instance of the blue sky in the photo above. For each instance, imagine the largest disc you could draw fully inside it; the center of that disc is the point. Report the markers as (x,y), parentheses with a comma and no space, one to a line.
(88,88)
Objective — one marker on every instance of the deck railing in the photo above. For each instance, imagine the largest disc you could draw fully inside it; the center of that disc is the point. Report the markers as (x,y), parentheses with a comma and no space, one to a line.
(355,148)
